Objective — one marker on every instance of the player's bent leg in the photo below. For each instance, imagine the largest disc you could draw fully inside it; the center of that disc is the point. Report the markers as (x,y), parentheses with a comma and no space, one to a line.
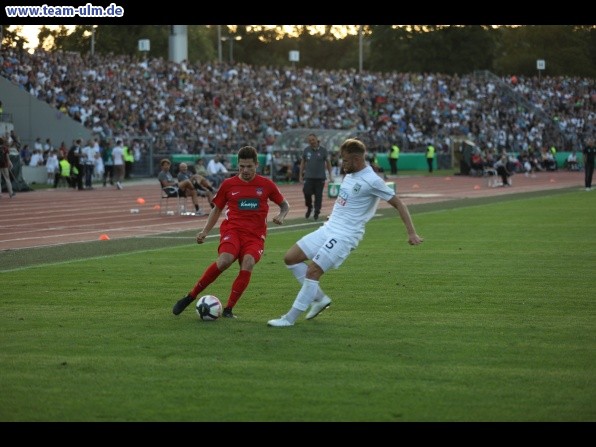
(299,272)
(317,307)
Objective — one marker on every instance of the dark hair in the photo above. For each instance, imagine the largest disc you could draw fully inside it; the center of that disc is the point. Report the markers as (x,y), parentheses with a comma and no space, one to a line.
(164,161)
(248,153)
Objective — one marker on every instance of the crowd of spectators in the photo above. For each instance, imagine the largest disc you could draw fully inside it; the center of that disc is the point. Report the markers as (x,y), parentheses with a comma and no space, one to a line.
(207,108)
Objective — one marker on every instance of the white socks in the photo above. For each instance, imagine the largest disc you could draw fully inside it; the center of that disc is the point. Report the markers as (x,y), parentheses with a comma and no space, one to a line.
(299,272)
(303,299)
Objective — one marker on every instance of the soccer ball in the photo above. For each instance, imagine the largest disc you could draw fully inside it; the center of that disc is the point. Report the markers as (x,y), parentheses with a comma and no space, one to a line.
(209,308)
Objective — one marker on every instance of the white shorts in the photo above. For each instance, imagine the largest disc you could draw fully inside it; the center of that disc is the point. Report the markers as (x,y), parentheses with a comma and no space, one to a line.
(324,249)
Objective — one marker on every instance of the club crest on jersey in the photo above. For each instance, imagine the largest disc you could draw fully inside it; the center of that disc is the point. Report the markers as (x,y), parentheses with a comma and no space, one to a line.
(248,204)
(259,191)
(357,187)
(342,197)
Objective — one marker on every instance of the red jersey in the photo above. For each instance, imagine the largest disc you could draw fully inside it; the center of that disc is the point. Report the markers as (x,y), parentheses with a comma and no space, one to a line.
(247,203)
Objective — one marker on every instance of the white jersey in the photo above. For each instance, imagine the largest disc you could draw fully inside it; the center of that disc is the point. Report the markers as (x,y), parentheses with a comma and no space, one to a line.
(118,156)
(356,203)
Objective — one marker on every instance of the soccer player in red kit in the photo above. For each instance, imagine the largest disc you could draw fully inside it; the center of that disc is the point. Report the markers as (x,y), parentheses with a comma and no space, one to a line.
(243,230)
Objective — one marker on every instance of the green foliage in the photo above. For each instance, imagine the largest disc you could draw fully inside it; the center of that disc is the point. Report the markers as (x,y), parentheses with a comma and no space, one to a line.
(565,49)
(452,49)
(118,39)
(448,49)
(490,319)
(11,37)
(200,47)
(388,49)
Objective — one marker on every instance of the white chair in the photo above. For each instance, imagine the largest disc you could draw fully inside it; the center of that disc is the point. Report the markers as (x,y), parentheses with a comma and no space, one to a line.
(178,197)
(493,180)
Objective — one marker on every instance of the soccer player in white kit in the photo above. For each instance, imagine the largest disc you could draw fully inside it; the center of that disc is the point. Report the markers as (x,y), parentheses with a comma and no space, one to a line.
(329,245)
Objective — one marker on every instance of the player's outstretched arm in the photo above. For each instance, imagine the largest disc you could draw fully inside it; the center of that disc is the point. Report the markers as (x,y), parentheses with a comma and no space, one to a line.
(211,221)
(284,207)
(404,213)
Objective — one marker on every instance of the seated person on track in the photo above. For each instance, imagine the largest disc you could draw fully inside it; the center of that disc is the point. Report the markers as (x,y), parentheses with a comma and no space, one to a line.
(184,188)
(202,185)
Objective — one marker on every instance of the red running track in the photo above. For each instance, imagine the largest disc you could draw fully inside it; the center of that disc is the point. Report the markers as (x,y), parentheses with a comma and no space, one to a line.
(60,216)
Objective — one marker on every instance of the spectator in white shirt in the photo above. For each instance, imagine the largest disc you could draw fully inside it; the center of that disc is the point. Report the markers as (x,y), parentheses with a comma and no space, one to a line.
(572,164)
(52,166)
(89,161)
(118,158)
(217,170)
(38,146)
(36,158)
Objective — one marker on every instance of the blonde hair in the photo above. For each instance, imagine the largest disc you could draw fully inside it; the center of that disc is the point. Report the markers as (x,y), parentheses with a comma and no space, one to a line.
(353,146)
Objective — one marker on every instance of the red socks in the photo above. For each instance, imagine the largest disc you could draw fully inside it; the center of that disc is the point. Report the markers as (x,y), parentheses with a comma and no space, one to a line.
(208,277)
(238,287)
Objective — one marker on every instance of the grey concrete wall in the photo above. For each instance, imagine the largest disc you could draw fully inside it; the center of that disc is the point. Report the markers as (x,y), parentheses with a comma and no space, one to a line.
(33,118)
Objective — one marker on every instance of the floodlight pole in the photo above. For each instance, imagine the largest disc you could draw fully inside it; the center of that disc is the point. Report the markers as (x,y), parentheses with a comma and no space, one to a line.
(219,52)
(231,39)
(92,40)
(360,49)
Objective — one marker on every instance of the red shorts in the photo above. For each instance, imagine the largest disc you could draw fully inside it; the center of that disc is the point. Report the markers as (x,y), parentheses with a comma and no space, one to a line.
(241,244)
